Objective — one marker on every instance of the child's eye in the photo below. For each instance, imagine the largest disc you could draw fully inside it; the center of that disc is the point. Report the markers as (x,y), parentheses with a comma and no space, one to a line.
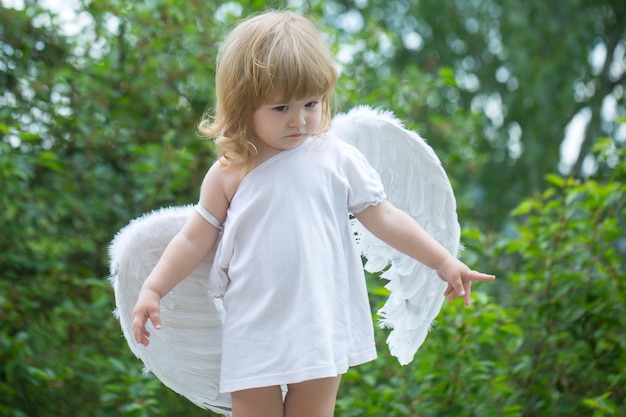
(280,108)
(311,104)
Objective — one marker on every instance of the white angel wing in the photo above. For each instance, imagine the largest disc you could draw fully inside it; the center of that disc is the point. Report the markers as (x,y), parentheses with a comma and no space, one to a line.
(415,182)
(186,353)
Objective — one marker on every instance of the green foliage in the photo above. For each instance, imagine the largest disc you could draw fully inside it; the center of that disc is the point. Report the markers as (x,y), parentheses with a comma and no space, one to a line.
(554,344)
(522,69)
(565,269)
(456,369)
(85,144)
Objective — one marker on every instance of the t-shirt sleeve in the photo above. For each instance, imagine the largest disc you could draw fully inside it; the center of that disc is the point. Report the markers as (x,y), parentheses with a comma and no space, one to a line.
(365,188)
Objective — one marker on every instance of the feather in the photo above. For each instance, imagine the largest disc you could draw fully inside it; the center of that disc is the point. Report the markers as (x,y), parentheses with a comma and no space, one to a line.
(186,353)
(415,182)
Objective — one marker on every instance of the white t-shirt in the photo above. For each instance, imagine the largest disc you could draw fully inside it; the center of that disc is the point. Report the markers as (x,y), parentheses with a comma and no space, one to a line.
(290,272)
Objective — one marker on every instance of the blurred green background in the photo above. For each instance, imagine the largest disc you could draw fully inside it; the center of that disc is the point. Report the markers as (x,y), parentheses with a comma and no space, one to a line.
(523,102)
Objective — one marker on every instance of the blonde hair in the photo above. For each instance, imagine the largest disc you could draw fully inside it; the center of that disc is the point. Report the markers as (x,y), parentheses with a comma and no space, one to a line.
(278,53)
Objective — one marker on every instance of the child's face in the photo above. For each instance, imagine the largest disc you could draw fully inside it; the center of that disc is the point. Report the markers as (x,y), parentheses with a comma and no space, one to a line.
(285,125)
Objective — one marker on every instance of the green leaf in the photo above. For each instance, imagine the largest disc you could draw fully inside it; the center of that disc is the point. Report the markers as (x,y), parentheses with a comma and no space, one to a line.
(555,180)
(447,75)
(526,207)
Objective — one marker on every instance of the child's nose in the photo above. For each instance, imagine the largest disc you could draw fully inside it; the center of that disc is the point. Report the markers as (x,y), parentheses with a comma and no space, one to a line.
(298,120)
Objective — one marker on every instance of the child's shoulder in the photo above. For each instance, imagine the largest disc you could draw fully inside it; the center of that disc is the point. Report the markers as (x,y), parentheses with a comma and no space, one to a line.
(224,175)
(340,146)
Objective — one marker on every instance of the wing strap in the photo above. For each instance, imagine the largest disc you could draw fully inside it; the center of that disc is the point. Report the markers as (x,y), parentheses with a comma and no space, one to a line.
(208,216)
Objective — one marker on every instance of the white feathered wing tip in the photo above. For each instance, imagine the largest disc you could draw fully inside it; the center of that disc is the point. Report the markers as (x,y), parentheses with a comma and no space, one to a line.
(415,182)
(186,353)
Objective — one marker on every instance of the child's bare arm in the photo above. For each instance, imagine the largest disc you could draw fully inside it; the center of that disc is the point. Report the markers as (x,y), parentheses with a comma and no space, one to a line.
(183,254)
(399,230)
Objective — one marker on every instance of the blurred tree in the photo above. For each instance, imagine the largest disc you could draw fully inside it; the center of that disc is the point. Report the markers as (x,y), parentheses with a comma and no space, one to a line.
(96,127)
(527,68)
(566,266)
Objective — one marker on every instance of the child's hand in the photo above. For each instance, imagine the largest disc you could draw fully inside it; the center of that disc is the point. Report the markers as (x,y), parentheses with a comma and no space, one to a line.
(147,307)
(459,278)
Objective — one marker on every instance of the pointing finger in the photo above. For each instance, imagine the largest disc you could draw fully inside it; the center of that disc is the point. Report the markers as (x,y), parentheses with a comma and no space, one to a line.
(479,276)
